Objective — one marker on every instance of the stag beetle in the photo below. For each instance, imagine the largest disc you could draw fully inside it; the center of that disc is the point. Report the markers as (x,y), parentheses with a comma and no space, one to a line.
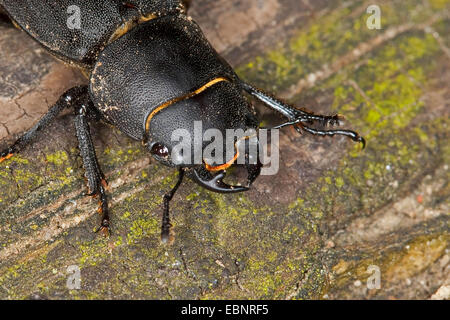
(151,71)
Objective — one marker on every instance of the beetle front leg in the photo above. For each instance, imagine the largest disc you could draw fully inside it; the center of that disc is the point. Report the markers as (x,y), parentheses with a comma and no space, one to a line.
(293,114)
(166,225)
(298,117)
(95,177)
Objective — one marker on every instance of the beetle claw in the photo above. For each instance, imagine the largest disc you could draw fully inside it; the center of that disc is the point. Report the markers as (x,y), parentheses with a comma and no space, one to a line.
(362,141)
(104,228)
(215,183)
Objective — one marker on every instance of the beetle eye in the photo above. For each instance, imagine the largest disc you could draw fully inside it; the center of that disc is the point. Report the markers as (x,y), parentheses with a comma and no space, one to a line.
(159,150)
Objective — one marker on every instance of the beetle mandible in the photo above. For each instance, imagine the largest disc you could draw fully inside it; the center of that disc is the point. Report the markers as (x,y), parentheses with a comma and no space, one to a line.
(151,71)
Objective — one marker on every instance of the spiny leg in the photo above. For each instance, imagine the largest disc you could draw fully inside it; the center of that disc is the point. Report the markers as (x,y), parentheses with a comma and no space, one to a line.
(68,99)
(95,177)
(293,114)
(166,225)
(298,117)
(78,98)
(348,133)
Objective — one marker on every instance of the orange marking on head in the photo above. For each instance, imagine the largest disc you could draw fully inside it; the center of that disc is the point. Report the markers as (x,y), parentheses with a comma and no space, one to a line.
(229,163)
(148,17)
(173,101)
(222,166)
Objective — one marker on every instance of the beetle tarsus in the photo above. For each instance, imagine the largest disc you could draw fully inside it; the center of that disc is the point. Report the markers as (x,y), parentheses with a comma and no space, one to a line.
(104,228)
(103,210)
(104,225)
(348,133)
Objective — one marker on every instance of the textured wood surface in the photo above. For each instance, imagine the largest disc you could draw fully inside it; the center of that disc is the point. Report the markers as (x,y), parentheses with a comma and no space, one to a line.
(311,231)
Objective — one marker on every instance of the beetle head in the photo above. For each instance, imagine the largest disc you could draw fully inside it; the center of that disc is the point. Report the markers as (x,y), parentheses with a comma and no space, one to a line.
(205,133)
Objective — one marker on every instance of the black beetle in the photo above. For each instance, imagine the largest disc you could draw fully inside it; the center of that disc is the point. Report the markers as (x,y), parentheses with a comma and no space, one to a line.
(151,71)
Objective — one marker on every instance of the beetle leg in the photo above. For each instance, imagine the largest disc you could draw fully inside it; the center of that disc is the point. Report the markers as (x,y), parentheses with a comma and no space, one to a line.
(166,225)
(348,133)
(293,114)
(96,179)
(297,117)
(214,183)
(68,99)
